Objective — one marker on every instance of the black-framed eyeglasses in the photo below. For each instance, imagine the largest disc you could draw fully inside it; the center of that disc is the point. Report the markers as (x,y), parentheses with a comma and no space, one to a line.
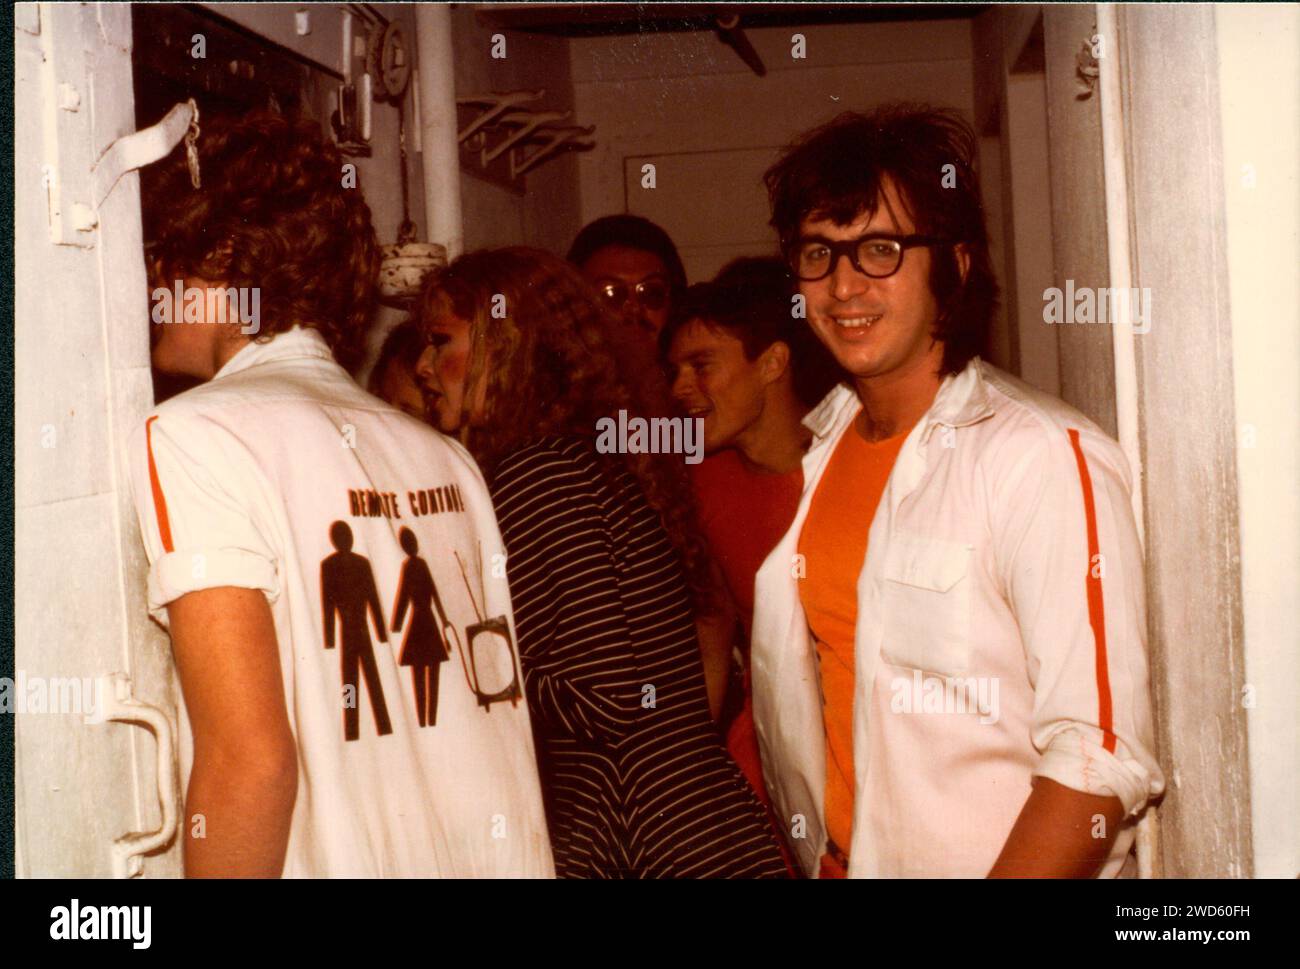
(652,294)
(877,255)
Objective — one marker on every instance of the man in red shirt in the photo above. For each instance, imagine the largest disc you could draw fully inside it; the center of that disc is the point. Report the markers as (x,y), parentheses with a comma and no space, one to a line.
(738,360)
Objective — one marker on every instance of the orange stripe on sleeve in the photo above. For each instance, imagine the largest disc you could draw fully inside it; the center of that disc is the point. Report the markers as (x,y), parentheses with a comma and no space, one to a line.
(1096,606)
(159,501)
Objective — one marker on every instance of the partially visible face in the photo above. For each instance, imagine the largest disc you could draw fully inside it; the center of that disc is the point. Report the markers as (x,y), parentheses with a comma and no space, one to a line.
(182,348)
(874,327)
(622,269)
(713,379)
(442,368)
(397,385)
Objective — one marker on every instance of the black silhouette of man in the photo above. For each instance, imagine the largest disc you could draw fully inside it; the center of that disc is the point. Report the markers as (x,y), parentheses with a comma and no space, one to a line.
(424,649)
(347,587)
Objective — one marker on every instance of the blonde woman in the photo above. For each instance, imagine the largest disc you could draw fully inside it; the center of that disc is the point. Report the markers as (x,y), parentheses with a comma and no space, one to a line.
(606,569)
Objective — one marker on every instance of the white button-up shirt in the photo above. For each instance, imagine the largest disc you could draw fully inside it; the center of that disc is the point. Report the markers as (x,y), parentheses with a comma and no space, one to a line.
(1000,636)
(281,474)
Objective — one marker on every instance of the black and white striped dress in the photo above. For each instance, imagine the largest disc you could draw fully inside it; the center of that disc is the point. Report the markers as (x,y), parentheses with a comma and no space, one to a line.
(636,779)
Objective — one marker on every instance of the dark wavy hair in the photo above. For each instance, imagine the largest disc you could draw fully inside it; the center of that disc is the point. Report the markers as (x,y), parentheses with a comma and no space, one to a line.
(632,232)
(837,171)
(271,213)
(557,363)
(404,344)
(750,299)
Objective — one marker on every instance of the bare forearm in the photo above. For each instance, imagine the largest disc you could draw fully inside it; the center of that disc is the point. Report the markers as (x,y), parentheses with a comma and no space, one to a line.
(1060,833)
(237,817)
(245,774)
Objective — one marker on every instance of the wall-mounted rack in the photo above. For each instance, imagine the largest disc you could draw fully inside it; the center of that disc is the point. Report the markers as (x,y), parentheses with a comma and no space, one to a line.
(501,139)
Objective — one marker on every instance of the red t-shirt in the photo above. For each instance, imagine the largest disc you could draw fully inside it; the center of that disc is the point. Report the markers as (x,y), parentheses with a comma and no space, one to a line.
(744,514)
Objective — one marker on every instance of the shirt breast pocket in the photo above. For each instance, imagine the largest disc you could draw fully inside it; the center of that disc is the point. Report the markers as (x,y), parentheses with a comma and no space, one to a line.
(926,605)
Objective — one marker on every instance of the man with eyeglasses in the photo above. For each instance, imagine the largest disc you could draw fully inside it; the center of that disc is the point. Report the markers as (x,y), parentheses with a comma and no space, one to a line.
(634,266)
(948,653)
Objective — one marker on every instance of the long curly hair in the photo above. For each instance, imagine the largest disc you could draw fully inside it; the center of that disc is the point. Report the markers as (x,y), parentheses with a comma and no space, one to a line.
(554,361)
(276,211)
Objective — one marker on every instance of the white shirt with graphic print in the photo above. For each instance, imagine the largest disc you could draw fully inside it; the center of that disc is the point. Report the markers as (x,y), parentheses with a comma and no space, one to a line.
(398,660)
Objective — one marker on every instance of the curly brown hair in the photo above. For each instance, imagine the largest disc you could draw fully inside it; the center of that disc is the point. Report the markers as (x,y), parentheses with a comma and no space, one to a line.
(272,213)
(555,363)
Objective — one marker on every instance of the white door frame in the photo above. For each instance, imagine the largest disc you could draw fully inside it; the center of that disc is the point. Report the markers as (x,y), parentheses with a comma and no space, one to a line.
(82,383)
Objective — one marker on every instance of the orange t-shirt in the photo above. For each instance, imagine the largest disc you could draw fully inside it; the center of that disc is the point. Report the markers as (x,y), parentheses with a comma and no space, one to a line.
(833,544)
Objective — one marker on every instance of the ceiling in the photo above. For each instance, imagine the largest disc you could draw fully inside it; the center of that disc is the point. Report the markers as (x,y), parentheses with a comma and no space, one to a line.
(605,19)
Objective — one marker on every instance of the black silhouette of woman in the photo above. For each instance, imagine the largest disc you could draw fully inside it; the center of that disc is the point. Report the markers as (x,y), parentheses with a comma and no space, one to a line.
(423,649)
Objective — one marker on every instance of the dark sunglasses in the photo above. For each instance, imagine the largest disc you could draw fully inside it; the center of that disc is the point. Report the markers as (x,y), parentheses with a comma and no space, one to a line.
(652,294)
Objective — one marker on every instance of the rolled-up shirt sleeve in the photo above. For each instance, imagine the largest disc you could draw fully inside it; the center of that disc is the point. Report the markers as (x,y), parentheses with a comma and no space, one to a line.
(196,524)
(1073,568)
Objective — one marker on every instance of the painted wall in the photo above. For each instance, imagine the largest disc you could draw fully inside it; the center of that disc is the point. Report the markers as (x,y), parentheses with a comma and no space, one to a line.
(1011,111)
(687,104)
(1029,189)
(1187,441)
(1087,360)
(1259,91)
(546,214)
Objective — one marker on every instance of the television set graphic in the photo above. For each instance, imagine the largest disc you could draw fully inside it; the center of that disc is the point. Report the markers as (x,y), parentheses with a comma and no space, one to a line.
(491,666)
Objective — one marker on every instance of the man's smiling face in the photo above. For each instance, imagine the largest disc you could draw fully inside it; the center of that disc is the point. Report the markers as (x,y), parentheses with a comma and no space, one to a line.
(714,380)
(874,327)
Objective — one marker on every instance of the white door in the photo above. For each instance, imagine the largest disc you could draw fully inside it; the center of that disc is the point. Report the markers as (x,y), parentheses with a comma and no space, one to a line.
(82,382)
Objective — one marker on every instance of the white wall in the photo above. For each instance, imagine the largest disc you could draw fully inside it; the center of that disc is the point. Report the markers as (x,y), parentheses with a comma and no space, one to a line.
(1029,187)
(1011,111)
(545,214)
(1086,354)
(1259,85)
(687,103)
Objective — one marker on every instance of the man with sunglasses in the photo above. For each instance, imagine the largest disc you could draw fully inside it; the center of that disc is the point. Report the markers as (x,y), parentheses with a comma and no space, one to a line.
(634,266)
(638,275)
(949,643)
